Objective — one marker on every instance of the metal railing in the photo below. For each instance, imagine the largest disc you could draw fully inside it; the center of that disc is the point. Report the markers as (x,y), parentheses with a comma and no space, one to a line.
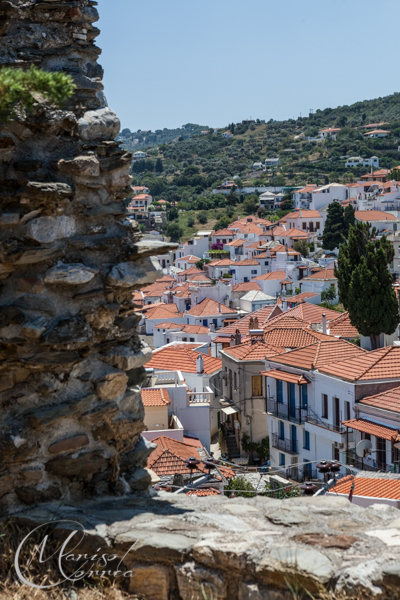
(289,446)
(314,419)
(286,412)
(365,466)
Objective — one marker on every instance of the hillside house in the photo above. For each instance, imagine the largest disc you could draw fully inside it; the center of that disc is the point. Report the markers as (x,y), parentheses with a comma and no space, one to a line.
(377,133)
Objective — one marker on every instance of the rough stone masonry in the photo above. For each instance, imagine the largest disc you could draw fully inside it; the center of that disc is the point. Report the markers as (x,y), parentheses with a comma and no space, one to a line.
(70,357)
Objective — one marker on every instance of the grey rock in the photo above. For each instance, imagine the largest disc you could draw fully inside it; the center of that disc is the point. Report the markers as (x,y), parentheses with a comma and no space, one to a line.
(288,517)
(36,303)
(112,385)
(123,358)
(11,315)
(31,495)
(311,561)
(132,403)
(49,191)
(47,415)
(81,466)
(9,219)
(34,329)
(70,274)
(50,229)
(151,247)
(99,125)
(197,583)
(36,255)
(82,166)
(135,274)
(140,480)
(72,332)
(51,358)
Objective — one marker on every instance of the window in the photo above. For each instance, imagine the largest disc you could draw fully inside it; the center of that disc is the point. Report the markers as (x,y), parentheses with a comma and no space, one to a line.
(281,459)
(167,340)
(306,440)
(347,411)
(184,339)
(235,381)
(279,390)
(256,382)
(191,339)
(266,263)
(281,430)
(254,272)
(304,225)
(324,406)
(245,279)
(304,396)
(317,225)
(307,468)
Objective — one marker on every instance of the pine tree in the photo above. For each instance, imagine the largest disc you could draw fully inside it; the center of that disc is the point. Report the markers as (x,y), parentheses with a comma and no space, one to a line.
(159,166)
(349,219)
(365,283)
(334,227)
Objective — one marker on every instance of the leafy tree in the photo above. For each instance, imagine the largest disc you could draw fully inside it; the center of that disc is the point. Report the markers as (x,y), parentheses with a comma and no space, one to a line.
(202,218)
(250,205)
(334,227)
(174,231)
(328,295)
(349,219)
(172,214)
(365,283)
(125,132)
(301,246)
(190,222)
(222,223)
(142,227)
(159,166)
(18,89)
(241,486)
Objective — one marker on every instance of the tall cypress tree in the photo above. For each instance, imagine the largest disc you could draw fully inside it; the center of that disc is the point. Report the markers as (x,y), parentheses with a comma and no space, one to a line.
(349,219)
(365,283)
(334,227)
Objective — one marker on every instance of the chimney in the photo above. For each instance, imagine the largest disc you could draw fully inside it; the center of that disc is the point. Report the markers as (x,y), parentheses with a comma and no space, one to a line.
(219,307)
(300,214)
(199,364)
(324,323)
(212,327)
(284,305)
(232,341)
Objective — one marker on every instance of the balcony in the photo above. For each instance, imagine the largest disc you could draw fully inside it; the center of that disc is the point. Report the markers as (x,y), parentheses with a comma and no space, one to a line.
(286,412)
(335,433)
(284,445)
(195,398)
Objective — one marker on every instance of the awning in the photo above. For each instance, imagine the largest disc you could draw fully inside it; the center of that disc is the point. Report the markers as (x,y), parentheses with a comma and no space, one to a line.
(382,431)
(285,376)
(230,410)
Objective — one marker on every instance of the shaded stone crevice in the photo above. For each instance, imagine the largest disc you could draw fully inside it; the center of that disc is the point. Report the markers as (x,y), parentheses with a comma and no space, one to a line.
(71,360)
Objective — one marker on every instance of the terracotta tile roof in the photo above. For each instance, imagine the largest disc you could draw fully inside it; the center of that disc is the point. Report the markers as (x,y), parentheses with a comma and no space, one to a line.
(192,441)
(319,353)
(389,400)
(273,251)
(155,293)
(226,232)
(278,231)
(183,327)
(247,262)
(246,286)
(208,307)
(285,376)
(236,243)
(255,245)
(155,397)
(168,325)
(199,277)
(329,129)
(377,364)
(225,262)
(377,131)
(311,313)
(201,492)
(294,232)
(182,357)
(251,228)
(310,187)
(168,458)
(289,337)
(343,327)
(161,311)
(322,274)
(262,315)
(191,271)
(301,297)
(274,275)
(157,286)
(249,351)
(189,259)
(382,431)
(167,278)
(372,487)
(374,215)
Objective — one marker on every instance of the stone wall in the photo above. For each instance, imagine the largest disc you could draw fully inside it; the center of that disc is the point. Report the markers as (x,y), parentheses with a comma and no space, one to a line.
(175,547)
(70,358)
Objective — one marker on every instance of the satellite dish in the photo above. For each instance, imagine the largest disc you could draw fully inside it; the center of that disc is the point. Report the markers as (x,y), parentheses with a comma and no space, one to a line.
(363,447)
(397,445)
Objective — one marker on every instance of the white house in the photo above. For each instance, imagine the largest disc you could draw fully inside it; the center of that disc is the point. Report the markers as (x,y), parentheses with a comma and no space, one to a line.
(356,161)
(272,162)
(223,236)
(245,270)
(310,221)
(270,283)
(379,219)
(320,281)
(185,262)
(326,194)
(166,333)
(255,299)
(210,312)
(330,132)
(303,197)
(194,247)
(377,133)
(227,134)
(141,201)
(139,155)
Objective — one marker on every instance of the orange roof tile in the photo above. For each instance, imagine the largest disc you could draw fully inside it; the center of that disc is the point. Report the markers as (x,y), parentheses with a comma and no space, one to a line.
(274,275)
(301,297)
(285,376)
(389,400)
(294,232)
(199,277)
(305,212)
(342,326)
(310,187)
(311,313)
(382,431)
(278,231)
(383,363)
(155,397)
(189,259)
(225,262)
(319,353)
(160,311)
(289,337)
(169,456)
(192,441)
(191,271)
(183,327)
(262,315)
(246,286)
(238,242)
(226,232)
(247,262)
(250,351)
(322,274)
(183,357)
(208,307)
(374,215)
(201,492)
(371,487)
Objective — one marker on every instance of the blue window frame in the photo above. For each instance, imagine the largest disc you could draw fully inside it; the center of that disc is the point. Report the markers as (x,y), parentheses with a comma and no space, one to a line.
(281,430)
(304,396)
(294,438)
(307,468)
(292,399)
(279,390)
(205,323)
(306,440)
(254,272)
(281,459)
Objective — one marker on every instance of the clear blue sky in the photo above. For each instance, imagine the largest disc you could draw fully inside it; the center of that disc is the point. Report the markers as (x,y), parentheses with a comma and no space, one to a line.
(212,62)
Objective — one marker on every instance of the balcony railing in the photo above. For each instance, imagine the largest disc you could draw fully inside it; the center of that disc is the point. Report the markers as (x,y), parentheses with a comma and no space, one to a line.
(194,398)
(284,445)
(377,465)
(315,420)
(294,414)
